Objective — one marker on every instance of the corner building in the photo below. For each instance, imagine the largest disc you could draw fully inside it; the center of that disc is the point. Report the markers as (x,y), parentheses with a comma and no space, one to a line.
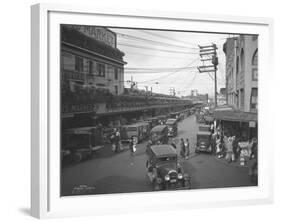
(242,72)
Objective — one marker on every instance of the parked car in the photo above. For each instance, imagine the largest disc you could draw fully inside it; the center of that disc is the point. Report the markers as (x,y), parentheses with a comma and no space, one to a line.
(204,128)
(209,119)
(203,143)
(138,131)
(80,143)
(159,134)
(172,127)
(153,121)
(164,170)
(175,115)
(161,119)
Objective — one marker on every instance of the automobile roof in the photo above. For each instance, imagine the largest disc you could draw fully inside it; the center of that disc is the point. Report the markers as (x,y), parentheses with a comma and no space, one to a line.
(158,128)
(204,133)
(204,125)
(171,121)
(135,124)
(163,150)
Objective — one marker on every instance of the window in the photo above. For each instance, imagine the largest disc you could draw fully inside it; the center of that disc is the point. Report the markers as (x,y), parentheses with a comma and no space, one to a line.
(91,67)
(255,58)
(237,66)
(254,100)
(116,73)
(242,98)
(242,58)
(116,90)
(78,64)
(255,65)
(101,70)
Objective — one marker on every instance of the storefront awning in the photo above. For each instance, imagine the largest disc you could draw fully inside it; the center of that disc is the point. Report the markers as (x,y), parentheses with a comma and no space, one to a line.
(235,115)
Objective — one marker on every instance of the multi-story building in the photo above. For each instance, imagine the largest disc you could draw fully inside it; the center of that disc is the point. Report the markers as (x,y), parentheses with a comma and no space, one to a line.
(242,72)
(89,57)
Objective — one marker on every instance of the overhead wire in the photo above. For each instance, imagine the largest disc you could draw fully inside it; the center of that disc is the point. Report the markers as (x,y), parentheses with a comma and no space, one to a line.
(156,49)
(165,37)
(127,36)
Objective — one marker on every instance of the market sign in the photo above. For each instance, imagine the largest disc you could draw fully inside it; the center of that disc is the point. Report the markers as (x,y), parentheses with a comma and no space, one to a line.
(79,108)
(99,33)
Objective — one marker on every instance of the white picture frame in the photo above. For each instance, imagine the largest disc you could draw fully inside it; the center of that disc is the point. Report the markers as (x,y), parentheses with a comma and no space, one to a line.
(45,169)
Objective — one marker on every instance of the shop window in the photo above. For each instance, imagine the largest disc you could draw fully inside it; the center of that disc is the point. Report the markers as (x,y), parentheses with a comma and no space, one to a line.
(254,100)
(91,67)
(116,73)
(78,64)
(242,62)
(255,58)
(255,66)
(116,90)
(237,68)
(101,69)
(242,98)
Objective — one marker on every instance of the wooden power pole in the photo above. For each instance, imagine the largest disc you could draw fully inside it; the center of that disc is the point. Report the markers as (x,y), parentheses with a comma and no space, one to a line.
(209,54)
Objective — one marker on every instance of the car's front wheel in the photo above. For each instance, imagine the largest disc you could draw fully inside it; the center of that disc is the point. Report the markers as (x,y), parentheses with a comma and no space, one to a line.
(187,184)
(155,185)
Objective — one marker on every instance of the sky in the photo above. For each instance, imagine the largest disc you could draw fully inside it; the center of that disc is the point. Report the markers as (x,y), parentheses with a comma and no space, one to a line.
(168,59)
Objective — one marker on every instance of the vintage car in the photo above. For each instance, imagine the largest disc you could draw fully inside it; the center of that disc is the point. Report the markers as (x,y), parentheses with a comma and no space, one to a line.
(159,135)
(175,115)
(172,127)
(209,119)
(163,169)
(138,131)
(203,143)
(161,119)
(153,121)
(204,128)
(80,143)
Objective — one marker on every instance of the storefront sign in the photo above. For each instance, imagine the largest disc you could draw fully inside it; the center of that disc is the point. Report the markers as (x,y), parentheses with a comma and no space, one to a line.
(73,75)
(79,108)
(252,124)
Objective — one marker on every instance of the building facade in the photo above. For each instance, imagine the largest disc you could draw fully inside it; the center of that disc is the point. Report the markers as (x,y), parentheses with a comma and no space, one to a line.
(242,72)
(90,58)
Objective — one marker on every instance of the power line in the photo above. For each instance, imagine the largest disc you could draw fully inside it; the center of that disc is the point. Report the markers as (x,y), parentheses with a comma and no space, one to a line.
(144,54)
(169,38)
(126,36)
(169,74)
(149,48)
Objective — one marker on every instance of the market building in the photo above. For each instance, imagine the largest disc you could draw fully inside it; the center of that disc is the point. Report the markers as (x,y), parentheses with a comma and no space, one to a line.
(92,81)
(242,72)
(239,115)
(90,58)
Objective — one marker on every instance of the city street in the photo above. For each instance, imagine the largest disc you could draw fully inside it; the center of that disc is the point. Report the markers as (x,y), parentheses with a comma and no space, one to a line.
(108,172)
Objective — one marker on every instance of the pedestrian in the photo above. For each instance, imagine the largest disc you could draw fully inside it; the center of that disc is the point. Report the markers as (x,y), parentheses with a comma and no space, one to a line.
(183,149)
(112,141)
(187,149)
(235,147)
(173,144)
(213,143)
(117,141)
(131,146)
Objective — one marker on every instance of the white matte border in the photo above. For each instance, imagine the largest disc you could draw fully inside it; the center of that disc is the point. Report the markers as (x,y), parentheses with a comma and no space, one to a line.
(48,177)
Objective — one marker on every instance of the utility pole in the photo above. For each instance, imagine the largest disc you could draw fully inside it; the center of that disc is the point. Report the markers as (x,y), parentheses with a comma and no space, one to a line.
(209,54)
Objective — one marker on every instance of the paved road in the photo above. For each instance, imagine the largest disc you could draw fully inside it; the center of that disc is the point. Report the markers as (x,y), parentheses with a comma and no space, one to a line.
(108,172)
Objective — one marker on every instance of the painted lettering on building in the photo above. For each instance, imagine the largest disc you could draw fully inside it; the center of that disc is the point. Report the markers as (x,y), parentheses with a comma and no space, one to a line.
(98,33)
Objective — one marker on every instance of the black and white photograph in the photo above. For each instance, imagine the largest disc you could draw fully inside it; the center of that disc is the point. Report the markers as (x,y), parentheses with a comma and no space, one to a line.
(144,110)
